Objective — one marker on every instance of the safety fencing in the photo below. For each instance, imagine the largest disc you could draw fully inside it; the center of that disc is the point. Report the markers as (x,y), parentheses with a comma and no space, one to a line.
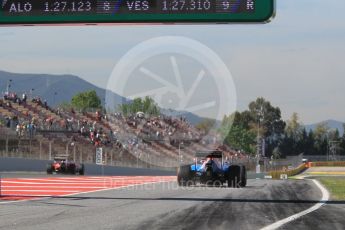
(45,149)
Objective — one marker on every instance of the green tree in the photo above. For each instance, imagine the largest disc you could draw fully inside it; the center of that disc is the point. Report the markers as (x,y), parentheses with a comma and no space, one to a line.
(205,125)
(268,117)
(236,133)
(86,100)
(261,117)
(65,105)
(333,135)
(241,139)
(321,133)
(292,143)
(276,153)
(267,121)
(286,146)
(244,119)
(310,144)
(294,128)
(342,142)
(302,145)
(146,105)
(226,125)
(124,108)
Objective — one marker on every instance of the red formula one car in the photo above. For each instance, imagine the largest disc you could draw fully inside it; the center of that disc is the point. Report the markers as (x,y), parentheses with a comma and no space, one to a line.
(61,164)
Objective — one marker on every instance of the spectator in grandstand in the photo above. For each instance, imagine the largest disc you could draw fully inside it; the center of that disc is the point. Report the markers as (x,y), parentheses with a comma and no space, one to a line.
(10,96)
(82,130)
(23,128)
(111,135)
(45,104)
(18,130)
(8,122)
(69,122)
(32,130)
(24,97)
(50,123)
(98,116)
(8,104)
(92,136)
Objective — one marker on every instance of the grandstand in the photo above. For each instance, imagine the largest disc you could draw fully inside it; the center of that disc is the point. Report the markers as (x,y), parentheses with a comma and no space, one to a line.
(32,129)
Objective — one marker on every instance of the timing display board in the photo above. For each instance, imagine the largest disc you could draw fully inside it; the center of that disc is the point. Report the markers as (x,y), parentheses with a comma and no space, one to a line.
(134,11)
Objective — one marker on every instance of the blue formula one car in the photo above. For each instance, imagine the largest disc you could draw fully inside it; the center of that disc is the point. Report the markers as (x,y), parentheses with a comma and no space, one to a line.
(210,168)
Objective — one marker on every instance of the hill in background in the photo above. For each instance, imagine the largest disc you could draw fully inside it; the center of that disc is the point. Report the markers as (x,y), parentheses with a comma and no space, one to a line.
(66,86)
(45,86)
(332,124)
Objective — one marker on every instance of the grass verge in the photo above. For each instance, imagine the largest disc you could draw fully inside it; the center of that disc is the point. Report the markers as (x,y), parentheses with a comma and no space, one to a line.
(335,185)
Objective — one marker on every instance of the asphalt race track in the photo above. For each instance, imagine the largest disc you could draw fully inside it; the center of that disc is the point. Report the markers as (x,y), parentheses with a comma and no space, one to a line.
(158,203)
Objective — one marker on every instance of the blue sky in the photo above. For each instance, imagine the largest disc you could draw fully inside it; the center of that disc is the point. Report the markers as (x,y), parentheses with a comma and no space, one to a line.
(296,61)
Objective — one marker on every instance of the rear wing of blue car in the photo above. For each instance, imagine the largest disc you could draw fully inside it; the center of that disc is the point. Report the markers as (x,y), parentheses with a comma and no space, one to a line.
(209,154)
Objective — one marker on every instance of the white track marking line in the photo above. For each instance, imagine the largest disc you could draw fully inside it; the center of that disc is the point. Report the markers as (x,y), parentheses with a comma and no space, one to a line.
(324,199)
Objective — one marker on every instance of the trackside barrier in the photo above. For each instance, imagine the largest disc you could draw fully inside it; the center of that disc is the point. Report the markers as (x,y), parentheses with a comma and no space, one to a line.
(293,172)
(30,165)
(327,164)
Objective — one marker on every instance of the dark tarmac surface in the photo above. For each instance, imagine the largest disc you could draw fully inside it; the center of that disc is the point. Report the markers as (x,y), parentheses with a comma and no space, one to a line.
(166,206)
(330,216)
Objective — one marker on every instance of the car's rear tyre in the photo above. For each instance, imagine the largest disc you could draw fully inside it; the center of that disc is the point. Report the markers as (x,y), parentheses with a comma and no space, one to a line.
(184,176)
(72,170)
(63,168)
(243,182)
(82,169)
(49,169)
(234,176)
